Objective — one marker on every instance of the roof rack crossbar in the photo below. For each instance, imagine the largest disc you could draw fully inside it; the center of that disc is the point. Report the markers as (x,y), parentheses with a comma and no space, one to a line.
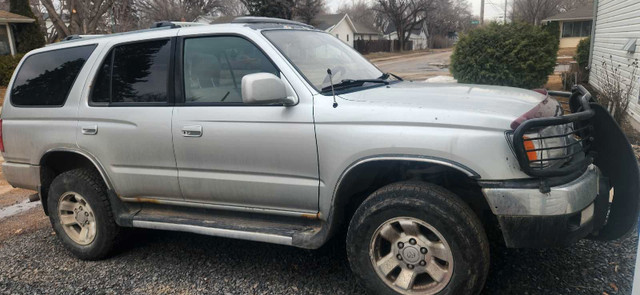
(267,20)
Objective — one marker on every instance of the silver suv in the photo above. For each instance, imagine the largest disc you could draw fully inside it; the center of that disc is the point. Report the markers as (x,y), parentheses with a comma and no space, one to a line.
(269,130)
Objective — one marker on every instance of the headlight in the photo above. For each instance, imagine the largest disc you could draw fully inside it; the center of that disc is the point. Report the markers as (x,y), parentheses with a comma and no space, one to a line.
(548,146)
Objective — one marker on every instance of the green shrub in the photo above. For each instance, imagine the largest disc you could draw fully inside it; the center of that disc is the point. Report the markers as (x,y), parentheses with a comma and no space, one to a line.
(518,55)
(582,53)
(8,64)
(554,29)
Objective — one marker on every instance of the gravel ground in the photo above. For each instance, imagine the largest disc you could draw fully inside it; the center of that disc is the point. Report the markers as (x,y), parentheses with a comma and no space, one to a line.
(155,262)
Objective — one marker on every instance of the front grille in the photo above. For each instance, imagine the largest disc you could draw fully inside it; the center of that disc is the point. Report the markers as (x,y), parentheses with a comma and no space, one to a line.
(575,143)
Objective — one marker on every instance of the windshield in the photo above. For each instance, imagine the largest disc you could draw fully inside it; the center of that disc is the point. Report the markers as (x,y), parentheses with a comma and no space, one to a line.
(312,53)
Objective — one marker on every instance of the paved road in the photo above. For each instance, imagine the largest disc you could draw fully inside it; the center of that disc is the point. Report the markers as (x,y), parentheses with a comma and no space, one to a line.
(418,67)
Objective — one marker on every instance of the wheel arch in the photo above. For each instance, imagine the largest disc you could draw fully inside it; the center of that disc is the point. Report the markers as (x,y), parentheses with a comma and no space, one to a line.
(59,160)
(367,175)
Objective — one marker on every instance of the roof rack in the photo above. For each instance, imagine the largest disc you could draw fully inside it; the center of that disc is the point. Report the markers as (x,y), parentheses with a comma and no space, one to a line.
(173,25)
(267,20)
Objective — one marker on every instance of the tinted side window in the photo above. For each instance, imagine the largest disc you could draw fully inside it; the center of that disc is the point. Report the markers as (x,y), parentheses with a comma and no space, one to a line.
(46,78)
(134,73)
(214,67)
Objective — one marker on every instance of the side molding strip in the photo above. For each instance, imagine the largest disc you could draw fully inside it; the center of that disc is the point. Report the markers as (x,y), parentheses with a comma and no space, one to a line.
(218,232)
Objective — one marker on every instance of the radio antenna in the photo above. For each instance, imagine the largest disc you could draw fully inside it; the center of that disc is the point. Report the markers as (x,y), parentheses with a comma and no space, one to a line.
(335,103)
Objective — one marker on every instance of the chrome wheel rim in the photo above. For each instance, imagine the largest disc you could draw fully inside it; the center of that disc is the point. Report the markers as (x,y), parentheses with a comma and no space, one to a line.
(77,218)
(411,256)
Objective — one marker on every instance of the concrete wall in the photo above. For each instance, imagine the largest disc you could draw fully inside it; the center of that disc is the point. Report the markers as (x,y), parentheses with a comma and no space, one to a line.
(617,22)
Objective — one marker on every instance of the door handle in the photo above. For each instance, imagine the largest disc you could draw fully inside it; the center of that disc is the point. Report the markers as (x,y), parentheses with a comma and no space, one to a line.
(192,131)
(90,130)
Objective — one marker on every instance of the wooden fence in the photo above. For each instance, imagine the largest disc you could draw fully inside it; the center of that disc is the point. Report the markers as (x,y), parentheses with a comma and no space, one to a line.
(370,46)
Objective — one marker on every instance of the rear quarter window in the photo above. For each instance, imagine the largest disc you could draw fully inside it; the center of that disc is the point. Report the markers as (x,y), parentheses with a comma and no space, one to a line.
(45,79)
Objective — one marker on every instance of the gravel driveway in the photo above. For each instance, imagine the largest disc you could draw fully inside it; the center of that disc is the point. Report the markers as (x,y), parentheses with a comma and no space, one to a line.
(155,262)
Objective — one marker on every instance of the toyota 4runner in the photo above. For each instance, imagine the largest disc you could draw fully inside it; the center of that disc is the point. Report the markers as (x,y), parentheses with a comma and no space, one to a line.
(270,130)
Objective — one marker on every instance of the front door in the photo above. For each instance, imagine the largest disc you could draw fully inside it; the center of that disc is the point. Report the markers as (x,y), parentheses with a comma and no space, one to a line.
(238,155)
(126,122)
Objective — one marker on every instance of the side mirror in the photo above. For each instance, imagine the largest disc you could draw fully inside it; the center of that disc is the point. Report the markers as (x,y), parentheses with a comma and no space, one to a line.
(265,88)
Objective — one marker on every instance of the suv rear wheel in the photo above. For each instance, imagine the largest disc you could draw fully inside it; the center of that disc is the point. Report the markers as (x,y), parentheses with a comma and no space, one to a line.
(81,215)
(417,238)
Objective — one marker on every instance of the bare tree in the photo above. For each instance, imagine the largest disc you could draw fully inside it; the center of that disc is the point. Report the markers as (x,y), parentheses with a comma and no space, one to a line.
(446,18)
(567,5)
(233,7)
(361,11)
(306,10)
(405,15)
(123,17)
(84,16)
(176,10)
(534,11)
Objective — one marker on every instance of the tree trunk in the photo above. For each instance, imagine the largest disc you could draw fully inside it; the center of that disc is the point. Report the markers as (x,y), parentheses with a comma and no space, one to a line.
(58,24)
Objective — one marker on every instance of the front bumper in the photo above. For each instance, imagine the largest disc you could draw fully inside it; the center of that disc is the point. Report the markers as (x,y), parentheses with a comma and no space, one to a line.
(567,213)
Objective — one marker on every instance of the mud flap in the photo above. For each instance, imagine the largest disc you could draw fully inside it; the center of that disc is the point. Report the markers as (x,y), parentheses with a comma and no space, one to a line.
(617,161)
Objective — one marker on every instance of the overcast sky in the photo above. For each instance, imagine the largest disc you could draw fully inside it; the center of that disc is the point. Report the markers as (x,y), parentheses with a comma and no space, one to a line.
(492,8)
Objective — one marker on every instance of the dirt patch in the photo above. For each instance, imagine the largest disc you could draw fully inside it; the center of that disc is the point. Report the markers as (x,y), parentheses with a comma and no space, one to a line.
(567,51)
(554,83)
(26,222)
(14,196)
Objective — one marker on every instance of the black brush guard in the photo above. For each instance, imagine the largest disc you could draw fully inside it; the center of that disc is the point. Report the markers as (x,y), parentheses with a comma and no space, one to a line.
(599,140)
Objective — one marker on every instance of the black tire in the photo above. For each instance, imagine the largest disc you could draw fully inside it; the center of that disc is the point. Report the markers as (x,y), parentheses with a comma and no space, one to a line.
(431,204)
(89,185)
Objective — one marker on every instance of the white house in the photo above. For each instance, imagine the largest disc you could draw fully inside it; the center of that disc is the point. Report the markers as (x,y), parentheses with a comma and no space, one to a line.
(344,28)
(419,36)
(616,36)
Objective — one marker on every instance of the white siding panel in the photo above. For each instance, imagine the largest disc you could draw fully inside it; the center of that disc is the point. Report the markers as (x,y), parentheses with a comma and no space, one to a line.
(617,22)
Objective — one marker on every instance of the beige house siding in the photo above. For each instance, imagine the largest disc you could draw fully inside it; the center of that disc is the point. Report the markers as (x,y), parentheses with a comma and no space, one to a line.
(617,22)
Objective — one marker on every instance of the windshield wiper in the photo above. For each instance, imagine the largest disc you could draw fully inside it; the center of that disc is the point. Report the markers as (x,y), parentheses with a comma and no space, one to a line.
(386,76)
(347,83)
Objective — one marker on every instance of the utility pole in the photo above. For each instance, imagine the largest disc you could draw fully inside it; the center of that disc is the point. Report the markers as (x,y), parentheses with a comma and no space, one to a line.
(505,12)
(482,12)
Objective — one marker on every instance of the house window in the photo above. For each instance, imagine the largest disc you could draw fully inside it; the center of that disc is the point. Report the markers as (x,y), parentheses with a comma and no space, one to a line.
(347,37)
(576,29)
(338,36)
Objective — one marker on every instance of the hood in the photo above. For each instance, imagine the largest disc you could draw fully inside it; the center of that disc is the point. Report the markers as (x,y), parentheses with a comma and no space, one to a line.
(457,104)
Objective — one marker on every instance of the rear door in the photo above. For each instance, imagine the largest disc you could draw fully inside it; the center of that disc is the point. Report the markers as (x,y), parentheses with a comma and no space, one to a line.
(232,154)
(126,121)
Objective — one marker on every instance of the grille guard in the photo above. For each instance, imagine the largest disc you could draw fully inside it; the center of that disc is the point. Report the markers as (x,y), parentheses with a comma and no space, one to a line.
(609,150)
(581,120)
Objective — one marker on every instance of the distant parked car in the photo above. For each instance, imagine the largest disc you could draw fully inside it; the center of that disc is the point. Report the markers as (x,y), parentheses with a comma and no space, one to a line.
(269,130)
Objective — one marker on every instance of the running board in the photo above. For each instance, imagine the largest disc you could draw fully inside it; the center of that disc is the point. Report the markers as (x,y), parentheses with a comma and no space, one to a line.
(218,232)
(245,226)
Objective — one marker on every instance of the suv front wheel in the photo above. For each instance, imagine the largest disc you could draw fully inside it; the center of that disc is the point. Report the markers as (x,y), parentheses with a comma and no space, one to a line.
(81,215)
(417,238)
